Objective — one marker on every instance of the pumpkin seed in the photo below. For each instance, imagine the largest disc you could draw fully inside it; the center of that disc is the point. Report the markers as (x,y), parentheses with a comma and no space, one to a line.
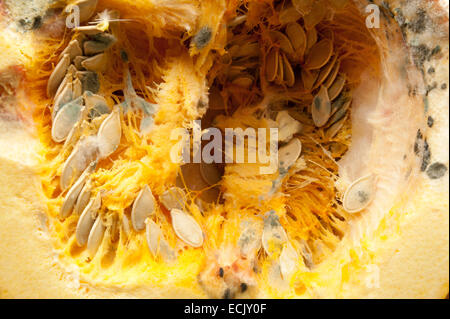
(96,63)
(74,192)
(289,153)
(359,194)
(325,71)
(83,198)
(339,107)
(297,36)
(65,96)
(86,7)
(89,29)
(288,261)
(77,88)
(311,38)
(109,134)
(65,119)
(288,72)
(58,75)
(287,126)
(335,127)
(173,198)
(95,237)
(101,43)
(315,16)
(143,207)
(333,74)
(250,239)
(126,225)
(280,73)
(281,39)
(73,49)
(68,78)
(186,228)
(288,14)
(336,88)
(321,107)
(247,50)
(95,104)
(319,54)
(272,65)
(89,81)
(303,6)
(309,77)
(244,81)
(210,173)
(156,242)
(83,154)
(87,220)
(274,235)
(77,62)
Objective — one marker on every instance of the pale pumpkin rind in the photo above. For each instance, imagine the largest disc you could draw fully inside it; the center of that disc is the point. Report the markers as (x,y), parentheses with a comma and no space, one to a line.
(405,247)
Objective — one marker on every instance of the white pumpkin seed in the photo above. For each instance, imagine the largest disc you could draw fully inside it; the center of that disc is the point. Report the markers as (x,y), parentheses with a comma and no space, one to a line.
(173,198)
(245,81)
(83,198)
(87,220)
(287,126)
(96,105)
(274,235)
(288,261)
(309,77)
(280,74)
(73,50)
(74,192)
(289,153)
(126,225)
(143,207)
(186,228)
(65,120)
(339,108)
(65,96)
(109,134)
(95,237)
(325,71)
(250,239)
(84,153)
(333,74)
(311,38)
(96,63)
(315,16)
(102,42)
(359,194)
(321,107)
(58,75)
(156,242)
(77,88)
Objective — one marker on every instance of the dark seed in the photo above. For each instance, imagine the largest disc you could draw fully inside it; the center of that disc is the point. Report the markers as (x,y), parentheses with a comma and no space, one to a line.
(426,156)
(202,38)
(221,272)
(243,287)
(436,170)
(89,81)
(430,121)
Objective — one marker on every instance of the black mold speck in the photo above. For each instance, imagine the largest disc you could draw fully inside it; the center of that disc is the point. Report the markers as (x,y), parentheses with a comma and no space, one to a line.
(227,294)
(202,38)
(435,51)
(124,55)
(243,287)
(444,86)
(431,70)
(420,54)
(37,22)
(430,121)
(426,156)
(221,272)
(418,25)
(436,170)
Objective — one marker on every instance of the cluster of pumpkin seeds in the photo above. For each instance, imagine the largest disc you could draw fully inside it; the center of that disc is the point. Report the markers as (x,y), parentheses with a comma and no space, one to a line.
(87,125)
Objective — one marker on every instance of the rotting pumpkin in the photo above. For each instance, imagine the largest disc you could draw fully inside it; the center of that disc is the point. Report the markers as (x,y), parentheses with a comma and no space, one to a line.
(89,197)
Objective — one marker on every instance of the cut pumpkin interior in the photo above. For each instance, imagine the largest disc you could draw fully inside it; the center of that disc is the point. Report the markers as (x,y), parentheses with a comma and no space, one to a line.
(120,213)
